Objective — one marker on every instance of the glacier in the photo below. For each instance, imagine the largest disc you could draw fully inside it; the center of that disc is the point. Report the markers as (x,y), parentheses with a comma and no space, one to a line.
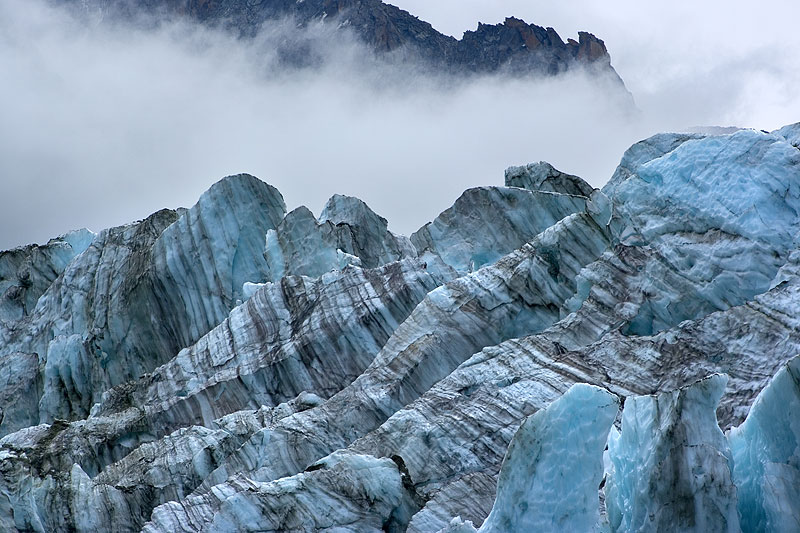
(671,464)
(347,232)
(540,356)
(25,273)
(554,465)
(766,454)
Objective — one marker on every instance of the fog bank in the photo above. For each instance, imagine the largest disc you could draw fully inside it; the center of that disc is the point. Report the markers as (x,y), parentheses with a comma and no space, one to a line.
(103,127)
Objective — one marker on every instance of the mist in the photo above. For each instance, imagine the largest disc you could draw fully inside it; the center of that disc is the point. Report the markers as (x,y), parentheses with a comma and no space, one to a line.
(103,126)
(716,62)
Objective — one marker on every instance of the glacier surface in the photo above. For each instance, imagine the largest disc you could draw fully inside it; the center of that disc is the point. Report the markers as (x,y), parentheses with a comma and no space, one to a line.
(234,367)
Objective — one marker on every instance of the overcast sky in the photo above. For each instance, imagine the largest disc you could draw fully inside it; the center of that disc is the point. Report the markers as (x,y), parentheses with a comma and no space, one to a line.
(101,128)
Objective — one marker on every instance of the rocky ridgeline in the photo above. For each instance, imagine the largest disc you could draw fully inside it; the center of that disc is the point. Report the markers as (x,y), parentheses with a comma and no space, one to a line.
(541,356)
(512,47)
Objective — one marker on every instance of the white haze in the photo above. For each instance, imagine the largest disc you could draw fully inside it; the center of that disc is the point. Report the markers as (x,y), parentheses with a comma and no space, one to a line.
(102,127)
(687,62)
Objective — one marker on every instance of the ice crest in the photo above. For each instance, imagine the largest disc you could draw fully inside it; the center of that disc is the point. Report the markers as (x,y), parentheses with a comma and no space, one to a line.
(554,465)
(671,464)
(766,454)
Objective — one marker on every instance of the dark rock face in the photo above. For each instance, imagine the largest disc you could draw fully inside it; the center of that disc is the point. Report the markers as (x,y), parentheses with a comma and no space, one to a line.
(513,47)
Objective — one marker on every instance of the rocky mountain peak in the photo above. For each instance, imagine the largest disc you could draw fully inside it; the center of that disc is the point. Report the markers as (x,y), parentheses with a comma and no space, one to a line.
(517,45)
(512,47)
(591,49)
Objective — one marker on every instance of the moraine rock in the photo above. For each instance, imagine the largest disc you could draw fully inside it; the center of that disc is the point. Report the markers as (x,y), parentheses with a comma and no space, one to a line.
(518,46)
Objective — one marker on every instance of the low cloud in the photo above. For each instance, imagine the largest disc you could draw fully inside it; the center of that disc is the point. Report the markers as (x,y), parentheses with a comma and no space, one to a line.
(104,126)
(716,62)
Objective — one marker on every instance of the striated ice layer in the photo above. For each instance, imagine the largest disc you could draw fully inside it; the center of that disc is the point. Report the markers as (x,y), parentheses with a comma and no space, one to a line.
(486,223)
(415,368)
(504,383)
(766,454)
(542,176)
(671,464)
(269,412)
(300,334)
(554,465)
(519,294)
(137,295)
(347,232)
(363,233)
(509,381)
(26,272)
(83,331)
(670,469)
(510,296)
(615,286)
(343,492)
(103,441)
(204,258)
